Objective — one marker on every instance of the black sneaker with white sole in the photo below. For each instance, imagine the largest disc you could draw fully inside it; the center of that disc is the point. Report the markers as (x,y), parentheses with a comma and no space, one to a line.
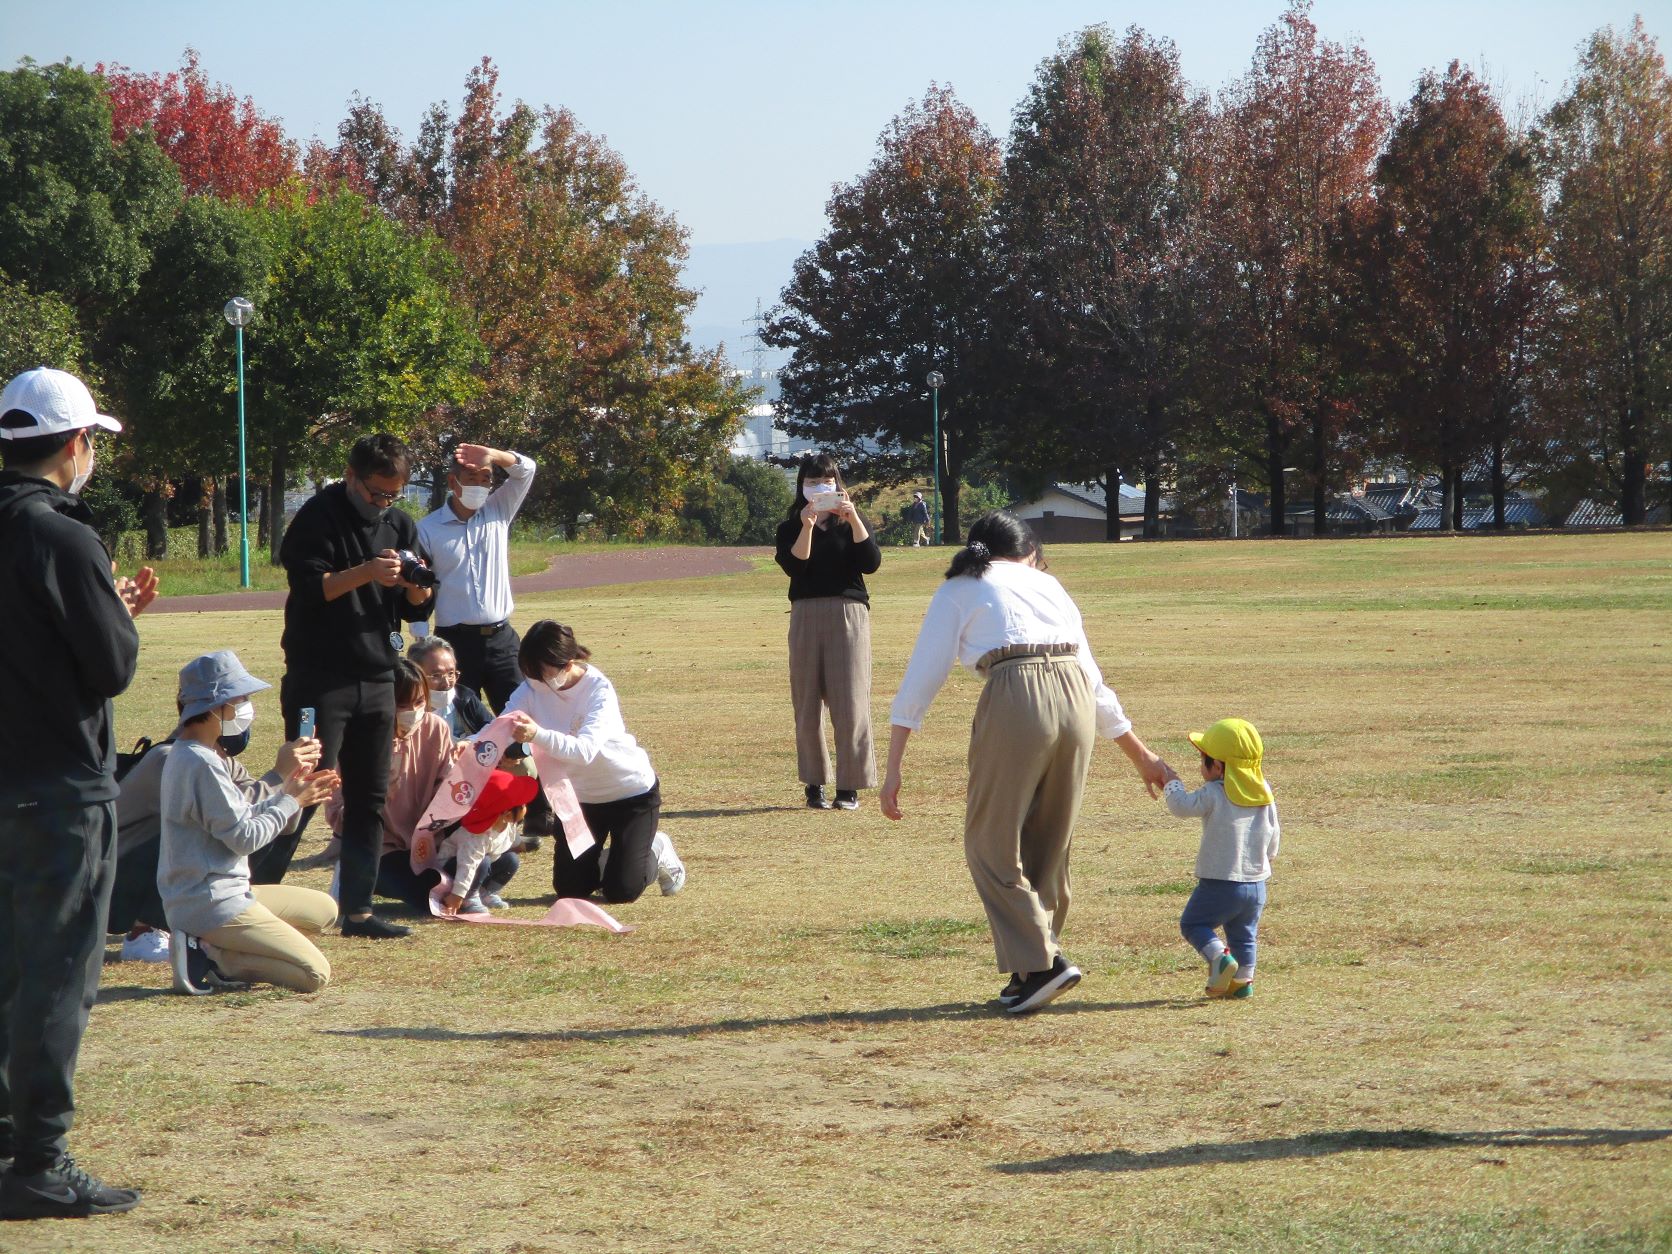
(62,1191)
(1040,987)
(1011,991)
(815,798)
(847,799)
(195,972)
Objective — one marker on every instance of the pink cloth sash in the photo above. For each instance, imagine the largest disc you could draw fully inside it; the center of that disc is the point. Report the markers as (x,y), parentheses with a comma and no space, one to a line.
(564,912)
(452,801)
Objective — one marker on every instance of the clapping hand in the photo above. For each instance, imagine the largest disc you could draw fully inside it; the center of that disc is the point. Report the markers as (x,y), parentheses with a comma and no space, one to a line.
(311,787)
(138,592)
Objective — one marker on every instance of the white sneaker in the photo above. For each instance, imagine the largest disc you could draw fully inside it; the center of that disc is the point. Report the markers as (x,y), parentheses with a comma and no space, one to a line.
(492,900)
(149,946)
(670,871)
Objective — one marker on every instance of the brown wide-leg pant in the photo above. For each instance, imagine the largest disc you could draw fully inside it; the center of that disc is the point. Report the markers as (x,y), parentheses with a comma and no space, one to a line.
(1030,753)
(830,665)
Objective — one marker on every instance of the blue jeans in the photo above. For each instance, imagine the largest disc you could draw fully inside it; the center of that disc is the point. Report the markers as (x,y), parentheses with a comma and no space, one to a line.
(1229,904)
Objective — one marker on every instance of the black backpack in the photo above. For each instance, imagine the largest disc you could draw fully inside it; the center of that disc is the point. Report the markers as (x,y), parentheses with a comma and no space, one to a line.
(126,762)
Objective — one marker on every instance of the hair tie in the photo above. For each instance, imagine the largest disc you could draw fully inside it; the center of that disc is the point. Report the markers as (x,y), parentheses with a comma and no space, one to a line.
(979,551)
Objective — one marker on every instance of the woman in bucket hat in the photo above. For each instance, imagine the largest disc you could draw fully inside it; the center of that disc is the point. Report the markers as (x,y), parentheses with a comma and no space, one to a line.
(1239,840)
(223,930)
(1043,706)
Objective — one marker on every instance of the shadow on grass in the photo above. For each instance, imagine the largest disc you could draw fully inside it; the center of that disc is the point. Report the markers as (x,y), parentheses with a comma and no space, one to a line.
(1318,1144)
(946,1012)
(131,992)
(730,812)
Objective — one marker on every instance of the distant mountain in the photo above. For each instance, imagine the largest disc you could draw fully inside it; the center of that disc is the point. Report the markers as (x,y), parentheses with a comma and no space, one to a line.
(731,278)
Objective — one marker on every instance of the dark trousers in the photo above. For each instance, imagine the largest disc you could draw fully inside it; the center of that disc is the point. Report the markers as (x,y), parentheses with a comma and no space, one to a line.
(397,879)
(355,723)
(57,865)
(135,898)
(628,825)
(487,664)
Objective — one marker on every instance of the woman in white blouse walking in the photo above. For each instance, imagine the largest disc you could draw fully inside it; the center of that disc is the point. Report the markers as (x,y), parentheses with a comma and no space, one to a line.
(1030,744)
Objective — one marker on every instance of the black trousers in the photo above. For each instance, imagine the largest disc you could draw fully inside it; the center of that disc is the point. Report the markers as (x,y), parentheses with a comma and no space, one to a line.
(135,898)
(487,664)
(397,879)
(355,723)
(57,865)
(628,826)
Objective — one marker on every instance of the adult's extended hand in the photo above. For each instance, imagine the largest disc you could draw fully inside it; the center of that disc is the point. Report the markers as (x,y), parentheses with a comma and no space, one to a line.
(138,592)
(523,728)
(889,798)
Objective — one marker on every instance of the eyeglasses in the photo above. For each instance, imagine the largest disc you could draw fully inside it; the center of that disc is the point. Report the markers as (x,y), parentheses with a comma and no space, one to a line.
(444,676)
(379,498)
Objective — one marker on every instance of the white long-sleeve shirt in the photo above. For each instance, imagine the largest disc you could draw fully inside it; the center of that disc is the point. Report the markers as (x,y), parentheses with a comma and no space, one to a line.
(472,849)
(471,556)
(967,618)
(209,833)
(1238,842)
(582,726)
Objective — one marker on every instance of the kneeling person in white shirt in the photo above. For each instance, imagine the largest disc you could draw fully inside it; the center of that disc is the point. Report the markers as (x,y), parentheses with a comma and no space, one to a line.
(570,710)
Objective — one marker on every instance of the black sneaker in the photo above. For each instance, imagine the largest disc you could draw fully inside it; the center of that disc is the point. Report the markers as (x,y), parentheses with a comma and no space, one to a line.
(195,972)
(815,797)
(62,1191)
(528,844)
(373,928)
(1011,991)
(1042,986)
(847,799)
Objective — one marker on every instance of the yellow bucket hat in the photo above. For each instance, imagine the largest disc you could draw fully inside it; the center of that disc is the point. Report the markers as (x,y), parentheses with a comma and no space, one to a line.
(1234,742)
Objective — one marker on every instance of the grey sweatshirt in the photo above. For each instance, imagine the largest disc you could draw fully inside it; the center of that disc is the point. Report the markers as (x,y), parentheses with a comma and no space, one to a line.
(209,833)
(1238,842)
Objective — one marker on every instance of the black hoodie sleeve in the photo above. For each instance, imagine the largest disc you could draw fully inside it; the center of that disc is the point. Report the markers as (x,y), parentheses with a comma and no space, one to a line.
(97,626)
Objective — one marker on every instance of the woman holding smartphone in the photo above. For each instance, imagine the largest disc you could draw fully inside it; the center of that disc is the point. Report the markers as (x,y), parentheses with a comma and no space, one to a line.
(826,550)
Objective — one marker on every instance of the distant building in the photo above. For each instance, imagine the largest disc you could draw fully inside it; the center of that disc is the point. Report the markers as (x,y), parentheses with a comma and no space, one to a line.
(1066,513)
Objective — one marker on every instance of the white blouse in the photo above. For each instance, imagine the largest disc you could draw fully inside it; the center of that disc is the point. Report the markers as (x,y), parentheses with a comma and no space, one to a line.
(583,726)
(968,618)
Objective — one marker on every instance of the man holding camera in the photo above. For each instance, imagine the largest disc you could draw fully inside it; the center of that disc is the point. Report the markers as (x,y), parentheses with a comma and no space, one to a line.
(353,582)
(468,541)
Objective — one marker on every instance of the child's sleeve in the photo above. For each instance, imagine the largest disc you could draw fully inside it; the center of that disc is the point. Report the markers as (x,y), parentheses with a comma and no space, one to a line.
(1186,805)
(1276,835)
(470,852)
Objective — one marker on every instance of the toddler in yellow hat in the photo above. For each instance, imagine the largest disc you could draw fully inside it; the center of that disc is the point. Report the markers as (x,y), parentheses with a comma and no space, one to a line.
(1239,840)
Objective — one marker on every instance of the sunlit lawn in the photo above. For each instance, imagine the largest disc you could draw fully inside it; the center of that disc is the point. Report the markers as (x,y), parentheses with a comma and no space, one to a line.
(1460,1040)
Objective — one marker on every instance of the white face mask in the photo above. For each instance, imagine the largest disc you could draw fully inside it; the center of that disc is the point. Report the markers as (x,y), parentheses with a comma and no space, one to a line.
(240,721)
(80,481)
(442,700)
(474,496)
(408,719)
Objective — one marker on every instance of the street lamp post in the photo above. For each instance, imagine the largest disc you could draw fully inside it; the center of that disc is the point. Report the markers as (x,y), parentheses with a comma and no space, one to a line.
(936,381)
(238,312)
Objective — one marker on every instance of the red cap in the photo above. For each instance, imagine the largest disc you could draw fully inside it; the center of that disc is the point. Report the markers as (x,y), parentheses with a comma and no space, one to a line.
(501,791)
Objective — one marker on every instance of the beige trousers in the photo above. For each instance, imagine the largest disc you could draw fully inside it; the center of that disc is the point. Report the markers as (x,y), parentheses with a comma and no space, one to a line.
(265,944)
(1030,753)
(830,665)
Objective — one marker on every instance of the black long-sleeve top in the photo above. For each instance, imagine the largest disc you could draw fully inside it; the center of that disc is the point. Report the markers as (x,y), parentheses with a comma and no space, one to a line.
(67,646)
(836,566)
(348,638)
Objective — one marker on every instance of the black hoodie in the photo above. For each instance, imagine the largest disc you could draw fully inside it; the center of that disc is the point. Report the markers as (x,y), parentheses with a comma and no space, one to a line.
(67,647)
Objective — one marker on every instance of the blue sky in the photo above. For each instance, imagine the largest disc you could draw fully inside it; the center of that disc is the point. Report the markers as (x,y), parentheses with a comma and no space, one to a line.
(740,116)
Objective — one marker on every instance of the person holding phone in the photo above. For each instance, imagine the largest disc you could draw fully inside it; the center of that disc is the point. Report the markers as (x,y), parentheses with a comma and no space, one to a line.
(342,636)
(826,550)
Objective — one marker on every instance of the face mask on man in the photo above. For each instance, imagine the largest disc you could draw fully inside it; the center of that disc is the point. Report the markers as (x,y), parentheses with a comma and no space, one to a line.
(441,699)
(408,719)
(369,510)
(473,496)
(81,478)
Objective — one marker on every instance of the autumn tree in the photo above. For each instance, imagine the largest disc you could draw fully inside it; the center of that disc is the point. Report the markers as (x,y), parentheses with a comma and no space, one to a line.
(903,282)
(1101,222)
(1293,149)
(1607,153)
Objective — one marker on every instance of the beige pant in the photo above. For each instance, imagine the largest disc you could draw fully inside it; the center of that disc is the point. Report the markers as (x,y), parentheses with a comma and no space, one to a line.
(1030,752)
(830,665)
(266,944)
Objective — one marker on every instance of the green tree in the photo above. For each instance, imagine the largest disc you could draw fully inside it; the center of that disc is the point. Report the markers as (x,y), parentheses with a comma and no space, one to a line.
(903,282)
(766,497)
(39,331)
(718,510)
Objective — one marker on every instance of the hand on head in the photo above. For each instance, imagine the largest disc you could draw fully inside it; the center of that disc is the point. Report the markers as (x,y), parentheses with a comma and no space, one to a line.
(472,456)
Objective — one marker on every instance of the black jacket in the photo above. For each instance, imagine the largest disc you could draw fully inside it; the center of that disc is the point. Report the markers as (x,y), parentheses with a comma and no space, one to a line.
(347,638)
(67,646)
(472,713)
(835,565)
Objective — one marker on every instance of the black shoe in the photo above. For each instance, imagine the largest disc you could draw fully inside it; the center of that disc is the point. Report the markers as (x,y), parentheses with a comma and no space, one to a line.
(544,824)
(1042,986)
(815,797)
(528,844)
(195,972)
(847,799)
(62,1191)
(373,928)
(1011,991)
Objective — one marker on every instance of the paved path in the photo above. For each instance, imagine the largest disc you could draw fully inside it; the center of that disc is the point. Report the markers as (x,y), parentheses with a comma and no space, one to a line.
(574,570)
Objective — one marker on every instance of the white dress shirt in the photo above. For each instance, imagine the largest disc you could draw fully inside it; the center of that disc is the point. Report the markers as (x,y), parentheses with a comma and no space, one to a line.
(582,726)
(969,617)
(471,556)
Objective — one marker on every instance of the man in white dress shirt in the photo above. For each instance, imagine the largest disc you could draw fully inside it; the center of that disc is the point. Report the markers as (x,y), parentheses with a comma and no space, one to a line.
(467,542)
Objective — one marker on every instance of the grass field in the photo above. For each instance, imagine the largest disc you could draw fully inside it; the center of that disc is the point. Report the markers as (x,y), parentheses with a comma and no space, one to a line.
(1461,1039)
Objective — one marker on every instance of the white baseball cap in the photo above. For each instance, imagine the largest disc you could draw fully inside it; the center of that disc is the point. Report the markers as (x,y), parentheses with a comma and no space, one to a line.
(57,401)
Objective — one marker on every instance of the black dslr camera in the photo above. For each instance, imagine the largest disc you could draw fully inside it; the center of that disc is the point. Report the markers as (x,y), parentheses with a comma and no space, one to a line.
(414,571)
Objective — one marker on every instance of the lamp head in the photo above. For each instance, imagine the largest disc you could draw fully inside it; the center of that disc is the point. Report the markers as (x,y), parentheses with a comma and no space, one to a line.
(238,311)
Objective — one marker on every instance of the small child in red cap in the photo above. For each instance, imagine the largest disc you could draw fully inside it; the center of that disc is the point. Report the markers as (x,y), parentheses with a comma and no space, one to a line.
(477,853)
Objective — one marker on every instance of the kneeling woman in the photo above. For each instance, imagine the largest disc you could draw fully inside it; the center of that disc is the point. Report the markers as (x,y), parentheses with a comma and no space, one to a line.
(223,929)
(1030,744)
(570,710)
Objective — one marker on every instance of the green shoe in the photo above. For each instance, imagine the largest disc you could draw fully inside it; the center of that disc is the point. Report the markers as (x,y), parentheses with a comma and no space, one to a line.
(1242,990)
(1221,971)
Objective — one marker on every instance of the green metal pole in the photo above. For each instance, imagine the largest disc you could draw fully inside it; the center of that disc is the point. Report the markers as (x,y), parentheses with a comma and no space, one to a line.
(243,477)
(935,393)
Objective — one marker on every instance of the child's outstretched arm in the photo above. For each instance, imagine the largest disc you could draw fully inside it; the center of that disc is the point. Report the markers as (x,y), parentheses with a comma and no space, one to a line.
(1186,805)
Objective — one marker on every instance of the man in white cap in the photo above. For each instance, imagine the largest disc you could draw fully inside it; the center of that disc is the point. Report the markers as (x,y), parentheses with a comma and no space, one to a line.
(67,647)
